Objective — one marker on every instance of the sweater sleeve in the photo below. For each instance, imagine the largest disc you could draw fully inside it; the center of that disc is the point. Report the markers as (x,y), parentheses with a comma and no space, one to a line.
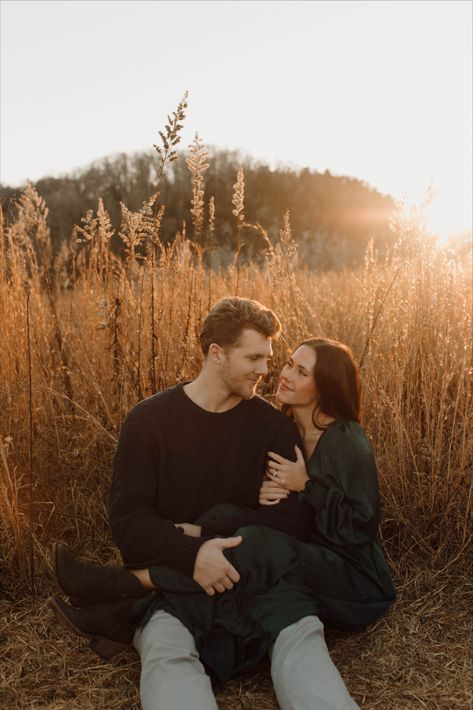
(289,515)
(343,490)
(143,537)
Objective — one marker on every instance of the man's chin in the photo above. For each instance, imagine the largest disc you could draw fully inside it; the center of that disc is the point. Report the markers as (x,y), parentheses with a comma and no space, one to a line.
(248,392)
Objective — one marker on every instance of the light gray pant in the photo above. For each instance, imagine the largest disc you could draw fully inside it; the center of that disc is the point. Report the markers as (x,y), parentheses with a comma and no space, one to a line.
(173,678)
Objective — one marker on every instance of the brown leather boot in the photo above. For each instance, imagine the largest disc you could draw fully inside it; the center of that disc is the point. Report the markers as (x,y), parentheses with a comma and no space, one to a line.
(106,625)
(86,583)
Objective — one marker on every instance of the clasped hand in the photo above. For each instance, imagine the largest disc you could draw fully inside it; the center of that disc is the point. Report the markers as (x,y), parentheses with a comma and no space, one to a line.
(212,570)
(282,477)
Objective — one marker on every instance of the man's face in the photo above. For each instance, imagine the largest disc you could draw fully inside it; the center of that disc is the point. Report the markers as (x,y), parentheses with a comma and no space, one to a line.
(245,363)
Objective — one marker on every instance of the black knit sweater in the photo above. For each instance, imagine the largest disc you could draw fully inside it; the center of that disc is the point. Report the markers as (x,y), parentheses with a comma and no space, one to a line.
(175,460)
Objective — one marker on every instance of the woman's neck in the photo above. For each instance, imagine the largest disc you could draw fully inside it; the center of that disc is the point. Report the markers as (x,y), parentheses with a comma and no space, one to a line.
(303,418)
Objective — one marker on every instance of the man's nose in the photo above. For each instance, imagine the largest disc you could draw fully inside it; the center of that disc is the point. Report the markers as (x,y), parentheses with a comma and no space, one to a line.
(262,369)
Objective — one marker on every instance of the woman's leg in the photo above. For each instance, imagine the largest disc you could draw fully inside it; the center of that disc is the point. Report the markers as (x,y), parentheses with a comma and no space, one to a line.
(86,583)
(144,577)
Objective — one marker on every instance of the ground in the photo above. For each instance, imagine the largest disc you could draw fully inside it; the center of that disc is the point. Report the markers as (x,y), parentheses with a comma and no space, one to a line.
(419,656)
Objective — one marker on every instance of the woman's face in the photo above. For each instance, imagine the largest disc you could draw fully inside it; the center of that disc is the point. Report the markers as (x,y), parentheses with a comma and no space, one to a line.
(296,381)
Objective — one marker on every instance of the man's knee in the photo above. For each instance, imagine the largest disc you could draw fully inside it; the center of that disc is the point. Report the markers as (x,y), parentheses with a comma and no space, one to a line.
(303,673)
(297,633)
(163,639)
(172,677)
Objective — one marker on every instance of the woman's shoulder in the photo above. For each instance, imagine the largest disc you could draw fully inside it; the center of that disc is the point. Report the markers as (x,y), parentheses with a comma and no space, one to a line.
(346,436)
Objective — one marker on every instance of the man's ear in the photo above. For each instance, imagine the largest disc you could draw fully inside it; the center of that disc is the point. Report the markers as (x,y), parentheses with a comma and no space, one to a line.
(216,353)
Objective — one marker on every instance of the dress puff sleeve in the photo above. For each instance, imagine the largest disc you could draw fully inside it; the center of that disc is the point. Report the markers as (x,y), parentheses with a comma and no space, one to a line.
(343,486)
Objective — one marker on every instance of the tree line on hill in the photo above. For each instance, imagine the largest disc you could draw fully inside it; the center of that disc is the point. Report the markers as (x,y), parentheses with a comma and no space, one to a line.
(333,218)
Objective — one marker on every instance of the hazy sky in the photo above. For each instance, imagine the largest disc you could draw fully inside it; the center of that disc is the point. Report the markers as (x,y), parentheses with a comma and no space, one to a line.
(381,91)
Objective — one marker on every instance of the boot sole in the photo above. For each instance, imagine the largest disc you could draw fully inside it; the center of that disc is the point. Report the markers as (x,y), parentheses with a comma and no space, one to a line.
(103,647)
(75,601)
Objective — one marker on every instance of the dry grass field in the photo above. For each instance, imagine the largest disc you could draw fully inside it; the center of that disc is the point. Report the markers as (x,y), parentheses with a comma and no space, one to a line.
(85,335)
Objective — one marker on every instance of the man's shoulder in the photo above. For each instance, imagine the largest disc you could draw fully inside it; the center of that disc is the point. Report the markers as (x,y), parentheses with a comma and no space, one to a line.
(156,404)
(268,411)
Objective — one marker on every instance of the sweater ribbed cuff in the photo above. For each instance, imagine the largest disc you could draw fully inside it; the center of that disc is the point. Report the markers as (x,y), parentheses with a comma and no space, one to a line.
(183,552)
(315,494)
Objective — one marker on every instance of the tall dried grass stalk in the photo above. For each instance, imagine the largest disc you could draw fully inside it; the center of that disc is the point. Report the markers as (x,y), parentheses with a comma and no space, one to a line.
(197,164)
(238,201)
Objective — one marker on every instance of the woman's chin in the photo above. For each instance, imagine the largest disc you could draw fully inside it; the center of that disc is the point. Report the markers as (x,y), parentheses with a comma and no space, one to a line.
(281,396)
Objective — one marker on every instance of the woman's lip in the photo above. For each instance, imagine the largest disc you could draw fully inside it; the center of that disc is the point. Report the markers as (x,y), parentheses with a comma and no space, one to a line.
(285,387)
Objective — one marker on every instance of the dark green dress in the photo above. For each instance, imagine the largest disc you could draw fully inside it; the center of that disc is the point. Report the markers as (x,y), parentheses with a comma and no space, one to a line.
(339,575)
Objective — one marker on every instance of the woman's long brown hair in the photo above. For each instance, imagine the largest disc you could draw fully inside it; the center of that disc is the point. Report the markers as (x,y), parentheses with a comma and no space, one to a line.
(337,379)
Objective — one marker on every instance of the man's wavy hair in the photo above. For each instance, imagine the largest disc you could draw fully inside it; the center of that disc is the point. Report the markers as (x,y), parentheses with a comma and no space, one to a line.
(229,317)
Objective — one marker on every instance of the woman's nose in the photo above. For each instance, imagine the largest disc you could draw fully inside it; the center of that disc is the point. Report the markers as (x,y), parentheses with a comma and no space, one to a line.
(285,376)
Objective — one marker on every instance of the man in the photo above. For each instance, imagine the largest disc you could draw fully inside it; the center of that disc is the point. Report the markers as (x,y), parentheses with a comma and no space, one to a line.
(181,452)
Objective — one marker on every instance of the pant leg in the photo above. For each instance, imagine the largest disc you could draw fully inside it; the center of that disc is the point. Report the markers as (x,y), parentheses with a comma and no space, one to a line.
(304,675)
(172,676)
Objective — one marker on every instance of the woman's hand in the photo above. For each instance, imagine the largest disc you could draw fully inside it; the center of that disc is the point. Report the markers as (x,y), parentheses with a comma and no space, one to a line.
(291,475)
(271,493)
(189,529)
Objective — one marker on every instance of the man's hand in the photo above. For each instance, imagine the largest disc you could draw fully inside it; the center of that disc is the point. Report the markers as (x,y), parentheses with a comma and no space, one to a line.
(212,570)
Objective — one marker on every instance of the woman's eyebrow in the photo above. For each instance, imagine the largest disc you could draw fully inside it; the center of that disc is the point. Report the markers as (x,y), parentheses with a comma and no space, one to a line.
(301,367)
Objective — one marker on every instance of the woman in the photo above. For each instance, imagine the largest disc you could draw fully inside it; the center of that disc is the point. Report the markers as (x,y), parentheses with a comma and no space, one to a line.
(339,575)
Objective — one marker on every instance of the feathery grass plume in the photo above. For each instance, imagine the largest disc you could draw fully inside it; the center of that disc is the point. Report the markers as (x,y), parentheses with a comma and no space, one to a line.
(105,234)
(96,235)
(197,164)
(238,201)
(170,138)
(211,224)
(86,247)
(26,236)
(133,231)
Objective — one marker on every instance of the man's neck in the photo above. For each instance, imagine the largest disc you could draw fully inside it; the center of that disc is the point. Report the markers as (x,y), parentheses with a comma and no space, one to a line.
(211,394)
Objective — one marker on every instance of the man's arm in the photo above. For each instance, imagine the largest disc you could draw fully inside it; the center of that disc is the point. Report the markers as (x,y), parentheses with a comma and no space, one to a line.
(143,537)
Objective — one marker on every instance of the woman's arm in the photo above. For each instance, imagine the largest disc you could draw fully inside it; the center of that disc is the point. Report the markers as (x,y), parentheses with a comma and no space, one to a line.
(342,487)
(343,490)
